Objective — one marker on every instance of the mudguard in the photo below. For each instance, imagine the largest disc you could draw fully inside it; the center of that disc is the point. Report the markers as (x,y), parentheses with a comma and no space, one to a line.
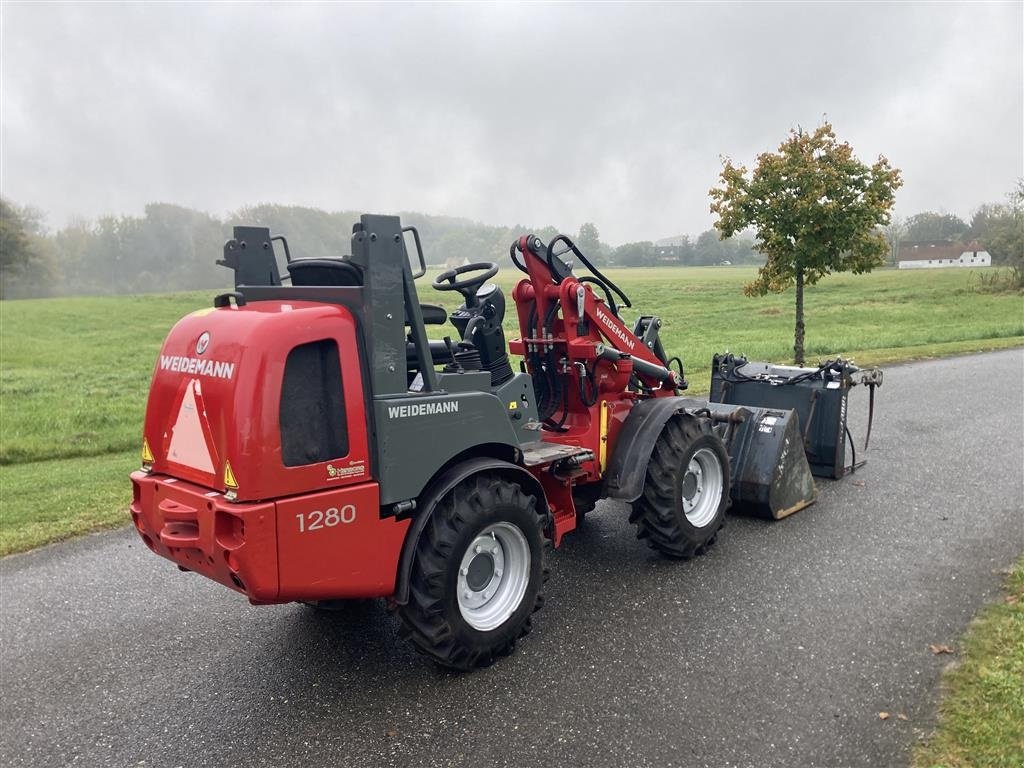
(436,490)
(627,468)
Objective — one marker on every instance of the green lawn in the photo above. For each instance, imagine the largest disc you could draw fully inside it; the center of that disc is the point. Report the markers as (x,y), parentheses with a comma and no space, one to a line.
(45,501)
(74,372)
(981,718)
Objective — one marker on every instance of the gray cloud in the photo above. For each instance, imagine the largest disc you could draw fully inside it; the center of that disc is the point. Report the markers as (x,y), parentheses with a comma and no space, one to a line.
(506,113)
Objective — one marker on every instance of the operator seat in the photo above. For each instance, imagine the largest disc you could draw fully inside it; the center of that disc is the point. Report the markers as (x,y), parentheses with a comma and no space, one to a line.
(338,272)
(433,314)
(333,272)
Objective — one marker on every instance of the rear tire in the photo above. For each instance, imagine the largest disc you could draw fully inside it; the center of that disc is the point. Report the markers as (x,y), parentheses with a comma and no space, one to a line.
(686,490)
(477,575)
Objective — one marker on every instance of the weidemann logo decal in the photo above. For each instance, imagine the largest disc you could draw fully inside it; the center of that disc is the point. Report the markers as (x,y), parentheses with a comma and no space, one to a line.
(616,331)
(422,409)
(179,364)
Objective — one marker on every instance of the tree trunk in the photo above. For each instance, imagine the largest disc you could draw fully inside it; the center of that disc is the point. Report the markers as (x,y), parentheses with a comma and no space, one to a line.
(798,333)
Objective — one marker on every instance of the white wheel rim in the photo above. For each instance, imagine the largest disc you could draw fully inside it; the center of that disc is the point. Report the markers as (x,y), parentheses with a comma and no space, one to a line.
(702,488)
(493,576)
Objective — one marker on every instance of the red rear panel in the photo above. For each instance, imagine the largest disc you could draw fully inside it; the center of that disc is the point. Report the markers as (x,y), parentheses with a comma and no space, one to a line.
(215,405)
(335,544)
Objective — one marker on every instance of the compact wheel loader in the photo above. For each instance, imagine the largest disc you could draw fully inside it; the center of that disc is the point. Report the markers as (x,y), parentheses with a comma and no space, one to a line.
(308,442)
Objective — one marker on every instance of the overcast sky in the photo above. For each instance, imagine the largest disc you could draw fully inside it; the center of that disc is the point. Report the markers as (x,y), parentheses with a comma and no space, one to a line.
(507,113)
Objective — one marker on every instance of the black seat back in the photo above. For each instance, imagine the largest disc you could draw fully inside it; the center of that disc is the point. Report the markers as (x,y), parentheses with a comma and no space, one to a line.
(324,272)
(433,314)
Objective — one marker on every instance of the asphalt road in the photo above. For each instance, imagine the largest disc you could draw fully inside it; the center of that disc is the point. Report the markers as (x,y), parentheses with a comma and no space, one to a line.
(777,648)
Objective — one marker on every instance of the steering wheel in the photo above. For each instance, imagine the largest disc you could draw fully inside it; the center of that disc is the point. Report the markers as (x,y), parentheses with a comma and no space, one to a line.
(467,286)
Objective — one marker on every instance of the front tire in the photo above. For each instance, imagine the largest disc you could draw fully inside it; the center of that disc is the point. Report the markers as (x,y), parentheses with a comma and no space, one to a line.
(477,575)
(686,490)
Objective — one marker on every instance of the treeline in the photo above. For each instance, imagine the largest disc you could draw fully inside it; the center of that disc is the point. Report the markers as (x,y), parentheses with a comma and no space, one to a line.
(706,250)
(172,248)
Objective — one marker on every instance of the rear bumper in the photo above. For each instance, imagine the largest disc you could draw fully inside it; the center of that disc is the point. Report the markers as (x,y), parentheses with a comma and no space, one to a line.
(199,530)
(317,546)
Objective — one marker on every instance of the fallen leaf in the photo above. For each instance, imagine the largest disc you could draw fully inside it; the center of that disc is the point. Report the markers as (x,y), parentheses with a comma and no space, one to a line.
(1012,599)
(859,483)
(391,733)
(937,649)
(901,716)
(883,715)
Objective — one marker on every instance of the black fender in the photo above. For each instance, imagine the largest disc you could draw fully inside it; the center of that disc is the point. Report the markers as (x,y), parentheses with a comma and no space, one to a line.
(442,484)
(627,468)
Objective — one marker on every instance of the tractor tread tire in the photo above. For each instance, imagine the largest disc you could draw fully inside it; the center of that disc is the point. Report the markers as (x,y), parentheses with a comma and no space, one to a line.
(658,512)
(431,620)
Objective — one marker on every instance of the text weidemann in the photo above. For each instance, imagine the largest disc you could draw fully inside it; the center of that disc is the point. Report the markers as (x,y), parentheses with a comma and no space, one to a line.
(179,364)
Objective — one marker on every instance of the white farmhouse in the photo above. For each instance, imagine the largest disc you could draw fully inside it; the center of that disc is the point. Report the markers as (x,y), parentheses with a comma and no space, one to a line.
(932,254)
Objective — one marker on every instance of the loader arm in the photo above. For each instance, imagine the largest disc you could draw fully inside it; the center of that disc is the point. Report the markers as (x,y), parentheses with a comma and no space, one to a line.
(557,308)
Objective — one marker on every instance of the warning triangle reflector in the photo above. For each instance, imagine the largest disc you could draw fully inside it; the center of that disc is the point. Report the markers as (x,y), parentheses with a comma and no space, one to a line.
(188,442)
(147,455)
(229,477)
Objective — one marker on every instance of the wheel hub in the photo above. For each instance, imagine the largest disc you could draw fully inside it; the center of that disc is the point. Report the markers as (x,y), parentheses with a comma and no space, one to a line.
(493,576)
(691,484)
(702,488)
(481,571)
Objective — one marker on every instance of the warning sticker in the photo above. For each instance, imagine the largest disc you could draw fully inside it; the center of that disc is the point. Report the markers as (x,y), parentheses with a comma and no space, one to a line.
(229,477)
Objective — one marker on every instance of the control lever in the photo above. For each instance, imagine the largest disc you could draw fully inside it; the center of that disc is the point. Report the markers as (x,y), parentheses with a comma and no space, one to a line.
(451,351)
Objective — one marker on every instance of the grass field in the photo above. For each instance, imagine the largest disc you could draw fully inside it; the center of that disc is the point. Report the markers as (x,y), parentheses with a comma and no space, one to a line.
(74,372)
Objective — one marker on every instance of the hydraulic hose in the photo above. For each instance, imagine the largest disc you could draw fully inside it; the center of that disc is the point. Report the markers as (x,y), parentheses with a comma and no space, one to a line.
(512,255)
(586,262)
(588,378)
(604,288)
